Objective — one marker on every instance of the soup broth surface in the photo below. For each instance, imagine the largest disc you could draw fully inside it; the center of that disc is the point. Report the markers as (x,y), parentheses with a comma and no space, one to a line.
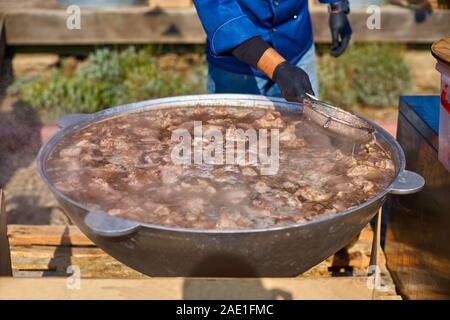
(124,166)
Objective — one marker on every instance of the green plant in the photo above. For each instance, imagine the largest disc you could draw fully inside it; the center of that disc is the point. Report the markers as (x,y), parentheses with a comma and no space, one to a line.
(367,74)
(108,78)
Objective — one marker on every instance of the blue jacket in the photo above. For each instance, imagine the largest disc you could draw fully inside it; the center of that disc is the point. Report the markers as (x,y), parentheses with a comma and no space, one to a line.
(284,24)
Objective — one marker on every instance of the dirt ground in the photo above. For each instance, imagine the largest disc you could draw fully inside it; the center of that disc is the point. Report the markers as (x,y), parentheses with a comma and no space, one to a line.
(28,200)
(21,135)
(427,80)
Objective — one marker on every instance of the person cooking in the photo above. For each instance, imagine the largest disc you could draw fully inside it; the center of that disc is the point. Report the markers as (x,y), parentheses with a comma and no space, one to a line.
(254,44)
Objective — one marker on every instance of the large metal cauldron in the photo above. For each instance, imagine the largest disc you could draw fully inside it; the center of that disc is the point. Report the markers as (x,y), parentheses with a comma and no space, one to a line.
(168,251)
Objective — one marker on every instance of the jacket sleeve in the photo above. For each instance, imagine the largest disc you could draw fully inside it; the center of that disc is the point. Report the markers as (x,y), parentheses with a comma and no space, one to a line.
(329,1)
(225,24)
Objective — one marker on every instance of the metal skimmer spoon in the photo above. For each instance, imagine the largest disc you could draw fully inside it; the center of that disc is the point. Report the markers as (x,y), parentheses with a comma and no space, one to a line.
(337,120)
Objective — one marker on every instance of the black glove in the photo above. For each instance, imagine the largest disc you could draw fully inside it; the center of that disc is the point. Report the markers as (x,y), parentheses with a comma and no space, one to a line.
(293,82)
(340,33)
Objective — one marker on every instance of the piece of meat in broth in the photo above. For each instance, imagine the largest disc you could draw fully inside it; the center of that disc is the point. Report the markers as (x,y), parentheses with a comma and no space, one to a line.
(170,174)
(269,120)
(313,194)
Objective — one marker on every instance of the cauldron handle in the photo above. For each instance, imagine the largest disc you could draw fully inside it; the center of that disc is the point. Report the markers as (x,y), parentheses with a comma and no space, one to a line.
(73,118)
(407,182)
(106,225)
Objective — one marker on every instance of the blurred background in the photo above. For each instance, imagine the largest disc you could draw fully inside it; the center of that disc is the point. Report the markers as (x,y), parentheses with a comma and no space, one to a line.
(133,50)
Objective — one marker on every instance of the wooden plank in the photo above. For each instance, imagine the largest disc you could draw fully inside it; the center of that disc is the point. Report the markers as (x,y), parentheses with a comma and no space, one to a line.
(5,256)
(37,248)
(29,4)
(70,235)
(54,261)
(156,25)
(25,235)
(33,257)
(170,3)
(397,25)
(191,288)
(94,263)
(47,235)
(106,26)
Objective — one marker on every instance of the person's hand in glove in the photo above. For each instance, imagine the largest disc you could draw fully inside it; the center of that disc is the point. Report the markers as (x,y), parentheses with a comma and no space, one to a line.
(341,31)
(293,81)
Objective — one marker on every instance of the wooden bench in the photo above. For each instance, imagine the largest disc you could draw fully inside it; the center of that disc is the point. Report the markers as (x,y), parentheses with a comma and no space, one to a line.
(46,26)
